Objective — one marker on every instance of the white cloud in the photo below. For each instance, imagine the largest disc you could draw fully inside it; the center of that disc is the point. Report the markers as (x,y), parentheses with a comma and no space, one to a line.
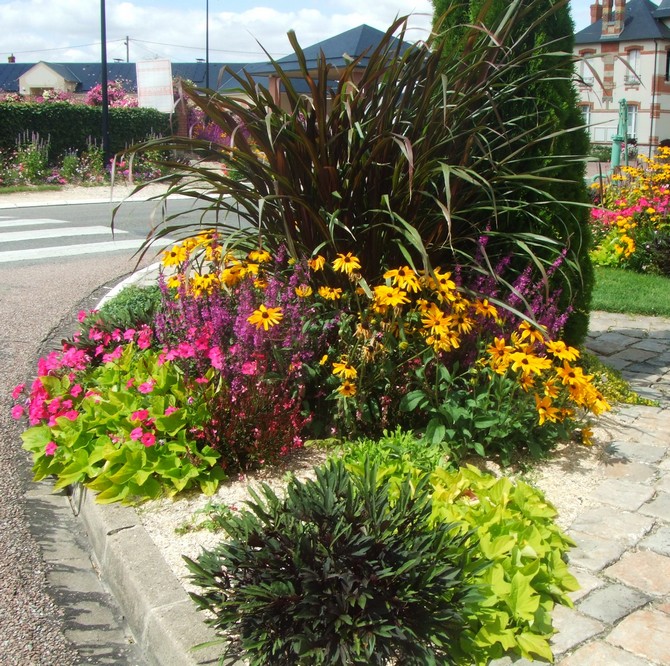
(69,30)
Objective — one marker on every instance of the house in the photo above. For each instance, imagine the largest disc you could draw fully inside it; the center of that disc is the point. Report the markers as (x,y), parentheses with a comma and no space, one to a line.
(338,52)
(34,78)
(624,54)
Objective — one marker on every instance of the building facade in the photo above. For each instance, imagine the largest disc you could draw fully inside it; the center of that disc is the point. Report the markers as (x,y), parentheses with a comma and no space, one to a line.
(624,54)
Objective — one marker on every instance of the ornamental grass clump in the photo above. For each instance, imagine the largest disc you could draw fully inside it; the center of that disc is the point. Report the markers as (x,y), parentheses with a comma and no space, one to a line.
(338,573)
(631,225)
(408,156)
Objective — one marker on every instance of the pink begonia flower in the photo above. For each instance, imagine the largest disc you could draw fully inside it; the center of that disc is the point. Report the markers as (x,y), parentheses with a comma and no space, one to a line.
(136,433)
(17,411)
(170,410)
(76,390)
(148,439)
(113,356)
(72,415)
(50,448)
(130,383)
(129,335)
(116,335)
(18,390)
(139,415)
(201,380)
(216,357)
(95,335)
(147,387)
(144,337)
(81,315)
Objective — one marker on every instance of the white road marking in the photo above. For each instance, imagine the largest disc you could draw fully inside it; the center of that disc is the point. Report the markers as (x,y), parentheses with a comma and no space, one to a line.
(12,222)
(68,250)
(39,234)
(63,232)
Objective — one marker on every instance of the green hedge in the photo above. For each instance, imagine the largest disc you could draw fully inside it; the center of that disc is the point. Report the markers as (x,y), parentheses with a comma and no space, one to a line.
(72,126)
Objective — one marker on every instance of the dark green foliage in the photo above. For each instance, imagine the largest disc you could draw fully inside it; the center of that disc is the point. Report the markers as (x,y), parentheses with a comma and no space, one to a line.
(549,106)
(336,574)
(132,307)
(425,154)
(72,126)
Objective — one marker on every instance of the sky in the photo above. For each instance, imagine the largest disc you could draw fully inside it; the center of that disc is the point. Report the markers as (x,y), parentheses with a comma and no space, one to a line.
(69,30)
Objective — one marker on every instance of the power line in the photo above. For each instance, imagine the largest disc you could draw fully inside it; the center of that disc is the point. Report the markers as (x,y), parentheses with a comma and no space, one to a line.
(199,48)
(64,48)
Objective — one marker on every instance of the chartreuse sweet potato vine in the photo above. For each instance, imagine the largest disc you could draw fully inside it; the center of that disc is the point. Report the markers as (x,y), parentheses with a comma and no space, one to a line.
(332,573)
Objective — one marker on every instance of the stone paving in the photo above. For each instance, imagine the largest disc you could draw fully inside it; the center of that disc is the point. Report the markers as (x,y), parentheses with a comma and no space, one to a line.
(622,560)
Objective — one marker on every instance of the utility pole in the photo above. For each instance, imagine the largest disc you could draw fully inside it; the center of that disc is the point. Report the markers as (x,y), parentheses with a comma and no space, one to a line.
(127,43)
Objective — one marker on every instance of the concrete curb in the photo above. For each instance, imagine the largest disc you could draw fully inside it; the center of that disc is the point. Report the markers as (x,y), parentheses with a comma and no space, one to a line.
(79,202)
(161,616)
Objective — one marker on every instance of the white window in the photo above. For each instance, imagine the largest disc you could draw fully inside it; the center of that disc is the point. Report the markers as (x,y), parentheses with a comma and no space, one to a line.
(585,72)
(632,75)
(632,121)
(586,113)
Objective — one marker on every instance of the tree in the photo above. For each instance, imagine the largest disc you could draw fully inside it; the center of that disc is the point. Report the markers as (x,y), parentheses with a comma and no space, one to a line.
(547,106)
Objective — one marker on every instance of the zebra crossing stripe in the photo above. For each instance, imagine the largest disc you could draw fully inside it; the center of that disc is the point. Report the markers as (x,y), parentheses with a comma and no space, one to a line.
(12,222)
(39,234)
(68,250)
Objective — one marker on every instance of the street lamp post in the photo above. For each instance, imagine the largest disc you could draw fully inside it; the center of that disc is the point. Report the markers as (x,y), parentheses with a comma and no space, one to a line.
(103,83)
(206,43)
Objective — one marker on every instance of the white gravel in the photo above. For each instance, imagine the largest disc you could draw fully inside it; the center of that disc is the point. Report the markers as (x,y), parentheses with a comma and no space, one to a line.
(567,478)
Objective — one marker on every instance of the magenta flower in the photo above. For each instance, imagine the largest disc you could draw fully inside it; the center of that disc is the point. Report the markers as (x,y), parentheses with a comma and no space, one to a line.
(136,433)
(147,387)
(76,390)
(216,357)
(17,391)
(148,439)
(17,412)
(170,410)
(50,448)
(139,415)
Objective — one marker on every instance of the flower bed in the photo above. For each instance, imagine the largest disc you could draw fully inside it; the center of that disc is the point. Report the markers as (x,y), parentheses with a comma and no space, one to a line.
(631,224)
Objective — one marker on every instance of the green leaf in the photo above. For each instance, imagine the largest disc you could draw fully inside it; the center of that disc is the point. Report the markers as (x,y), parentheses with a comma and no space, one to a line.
(413,400)
(523,601)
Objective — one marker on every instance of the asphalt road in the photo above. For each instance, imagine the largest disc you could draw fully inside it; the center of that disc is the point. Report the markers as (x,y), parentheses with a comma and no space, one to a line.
(53,609)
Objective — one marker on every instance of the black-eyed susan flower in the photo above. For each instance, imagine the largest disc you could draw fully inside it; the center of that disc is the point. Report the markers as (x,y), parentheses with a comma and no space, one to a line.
(344,369)
(485,309)
(529,363)
(330,294)
(346,263)
(389,296)
(175,255)
(347,389)
(403,277)
(303,291)
(260,256)
(545,410)
(316,263)
(529,333)
(560,350)
(265,317)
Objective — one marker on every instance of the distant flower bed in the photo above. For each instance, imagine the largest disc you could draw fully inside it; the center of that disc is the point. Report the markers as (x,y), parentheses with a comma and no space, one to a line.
(631,225)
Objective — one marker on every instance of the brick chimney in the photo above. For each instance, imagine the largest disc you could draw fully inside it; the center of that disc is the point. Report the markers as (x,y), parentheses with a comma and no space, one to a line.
(614,12)
(11,58)
(596,12)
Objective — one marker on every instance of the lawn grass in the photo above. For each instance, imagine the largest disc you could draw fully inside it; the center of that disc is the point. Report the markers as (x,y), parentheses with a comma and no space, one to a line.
(623,291)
